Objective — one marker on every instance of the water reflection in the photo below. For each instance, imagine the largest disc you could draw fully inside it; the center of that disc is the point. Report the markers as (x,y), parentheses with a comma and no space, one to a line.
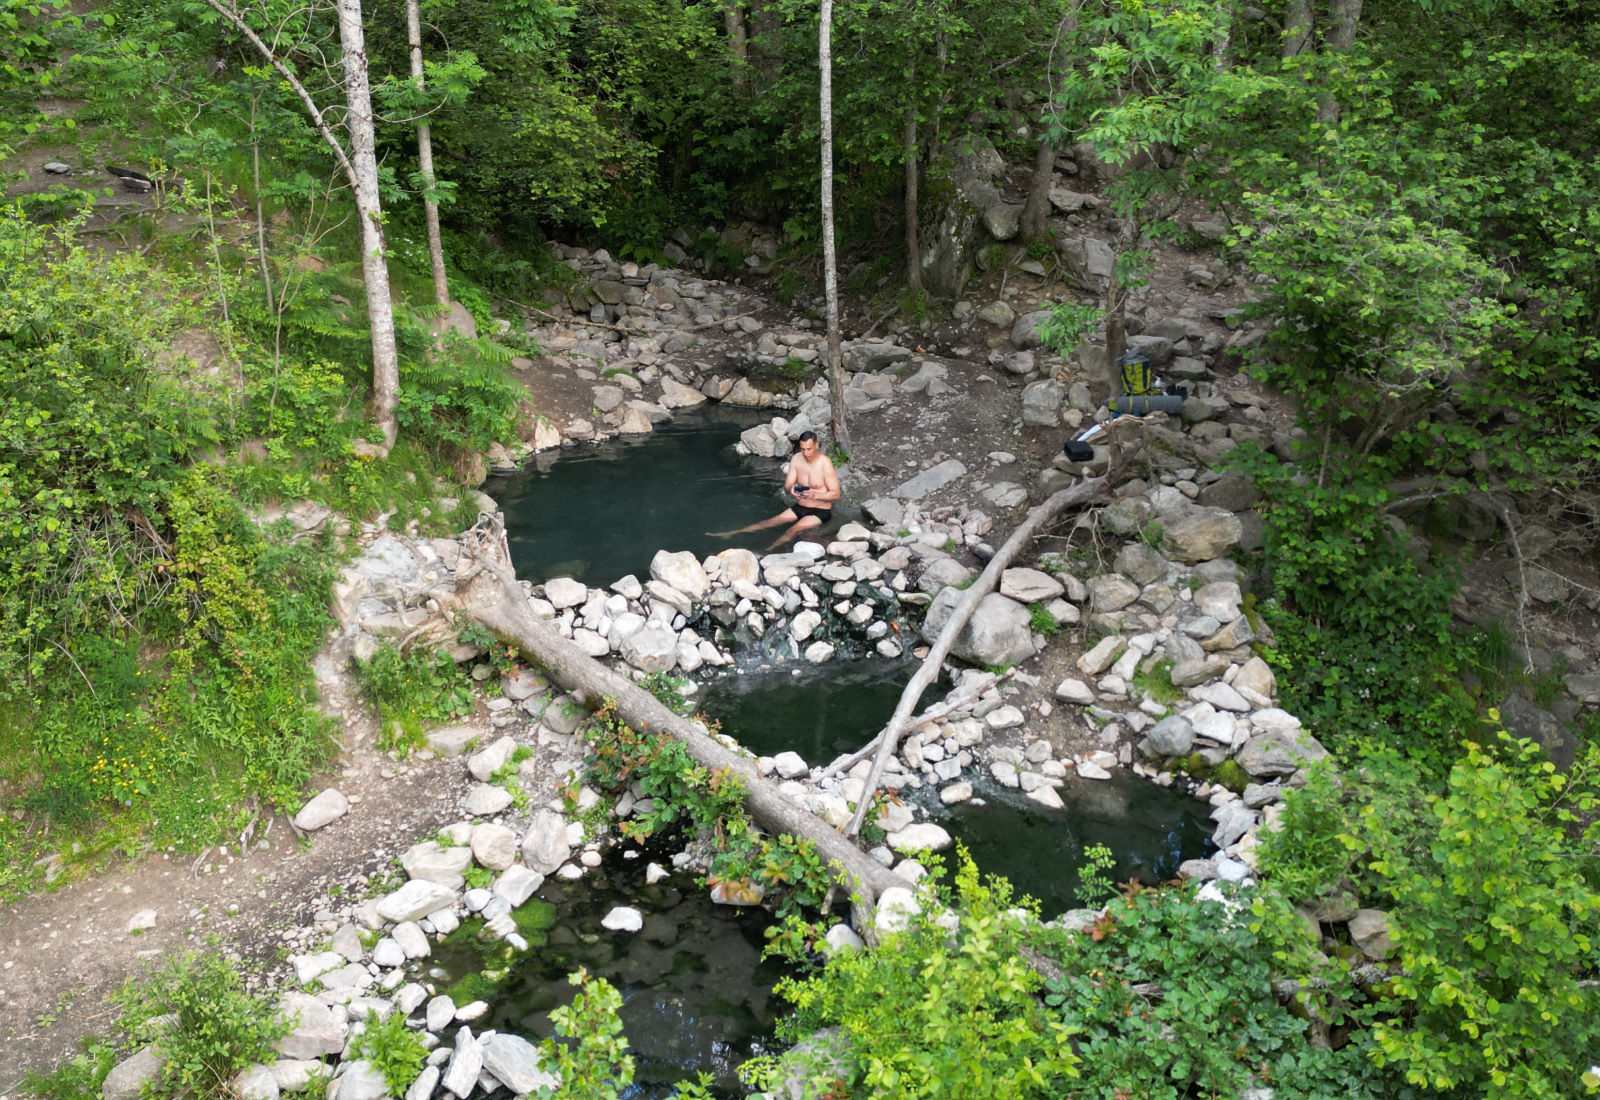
(1150,830)
(696,994)
(597,513)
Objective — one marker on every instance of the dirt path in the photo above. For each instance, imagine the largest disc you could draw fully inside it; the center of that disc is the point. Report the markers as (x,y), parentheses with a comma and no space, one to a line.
(63,953)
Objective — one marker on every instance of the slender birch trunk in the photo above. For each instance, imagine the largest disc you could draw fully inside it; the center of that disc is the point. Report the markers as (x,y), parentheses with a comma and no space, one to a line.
(830,260)
(909,149)
(430,208)
(374,265)
(360,166)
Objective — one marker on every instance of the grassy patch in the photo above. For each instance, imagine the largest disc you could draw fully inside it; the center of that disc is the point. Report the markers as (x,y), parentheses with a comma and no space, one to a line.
(1156,684)
(1040,621)
(410,691)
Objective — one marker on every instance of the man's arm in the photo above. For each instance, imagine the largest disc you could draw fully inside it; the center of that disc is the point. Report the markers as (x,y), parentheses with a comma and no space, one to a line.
(792,476)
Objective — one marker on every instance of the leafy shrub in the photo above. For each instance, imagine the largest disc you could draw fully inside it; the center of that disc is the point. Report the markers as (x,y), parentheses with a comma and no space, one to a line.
(410,691)
(1040,621)
(463,398)
(1169,996)
(1496,914)
(933,1011)
(1492,886)
(95,436)
(394,1050)
(1366,652)
(219,1028)
(708,802)
(594,1063)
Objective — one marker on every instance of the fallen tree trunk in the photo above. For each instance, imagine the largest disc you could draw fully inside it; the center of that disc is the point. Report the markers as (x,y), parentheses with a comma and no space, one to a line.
(938,713)
(1082,493)
(491,595)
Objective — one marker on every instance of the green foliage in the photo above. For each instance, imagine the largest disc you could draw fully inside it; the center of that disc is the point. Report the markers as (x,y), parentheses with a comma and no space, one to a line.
(94,437)
(589,1051)
(1494,930)
(1170,996)
(668,690)
(1366,651)
(1156,683)
(708,802)
(219,1028)
(1040,621)
(1094,879)
(412,690)
(938,1012)
(394,1050)
(1492,888)
(679,787)
(79,1077)
(461,399)
(1068,326)
(1379,309)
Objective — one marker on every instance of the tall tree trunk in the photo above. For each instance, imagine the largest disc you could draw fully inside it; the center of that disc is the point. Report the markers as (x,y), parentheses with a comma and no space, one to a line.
(909,150)
(430,208)
(1116,333)
(360,167)
(1297,26)
(830,258)
(1222,45)
(738,41)
(374,265)
(1345,16)
(1036,209)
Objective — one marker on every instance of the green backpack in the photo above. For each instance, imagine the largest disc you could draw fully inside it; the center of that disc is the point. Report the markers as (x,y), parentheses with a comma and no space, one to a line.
(1137,377)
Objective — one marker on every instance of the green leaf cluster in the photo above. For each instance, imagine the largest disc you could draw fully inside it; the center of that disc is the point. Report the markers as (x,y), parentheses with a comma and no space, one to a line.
(946,1008)
(206,1026)
(1492,889)
(1169,995)
(392,1048)
(412,689)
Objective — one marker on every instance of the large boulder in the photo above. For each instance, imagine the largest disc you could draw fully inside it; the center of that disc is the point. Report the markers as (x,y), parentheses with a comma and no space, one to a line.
(516,1064)
(652,648)
(323,810)
(681,570)
(416,898)
(127,1079)
(997,634)
(1029,585)
(867,356)
(953,232)
(1524,719)
(1199,534)
(313,1032)
(544,846)
(1172,736)
(1025,332)
(1279,752)
(1041,404)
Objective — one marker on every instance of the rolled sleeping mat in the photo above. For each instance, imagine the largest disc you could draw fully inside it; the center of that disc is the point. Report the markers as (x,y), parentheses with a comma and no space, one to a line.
(1145,404)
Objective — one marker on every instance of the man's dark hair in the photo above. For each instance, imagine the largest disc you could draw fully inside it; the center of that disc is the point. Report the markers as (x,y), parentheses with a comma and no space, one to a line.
(806,435)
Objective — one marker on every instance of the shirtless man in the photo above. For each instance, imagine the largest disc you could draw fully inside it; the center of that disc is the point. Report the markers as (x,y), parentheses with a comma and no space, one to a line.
(813,484)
